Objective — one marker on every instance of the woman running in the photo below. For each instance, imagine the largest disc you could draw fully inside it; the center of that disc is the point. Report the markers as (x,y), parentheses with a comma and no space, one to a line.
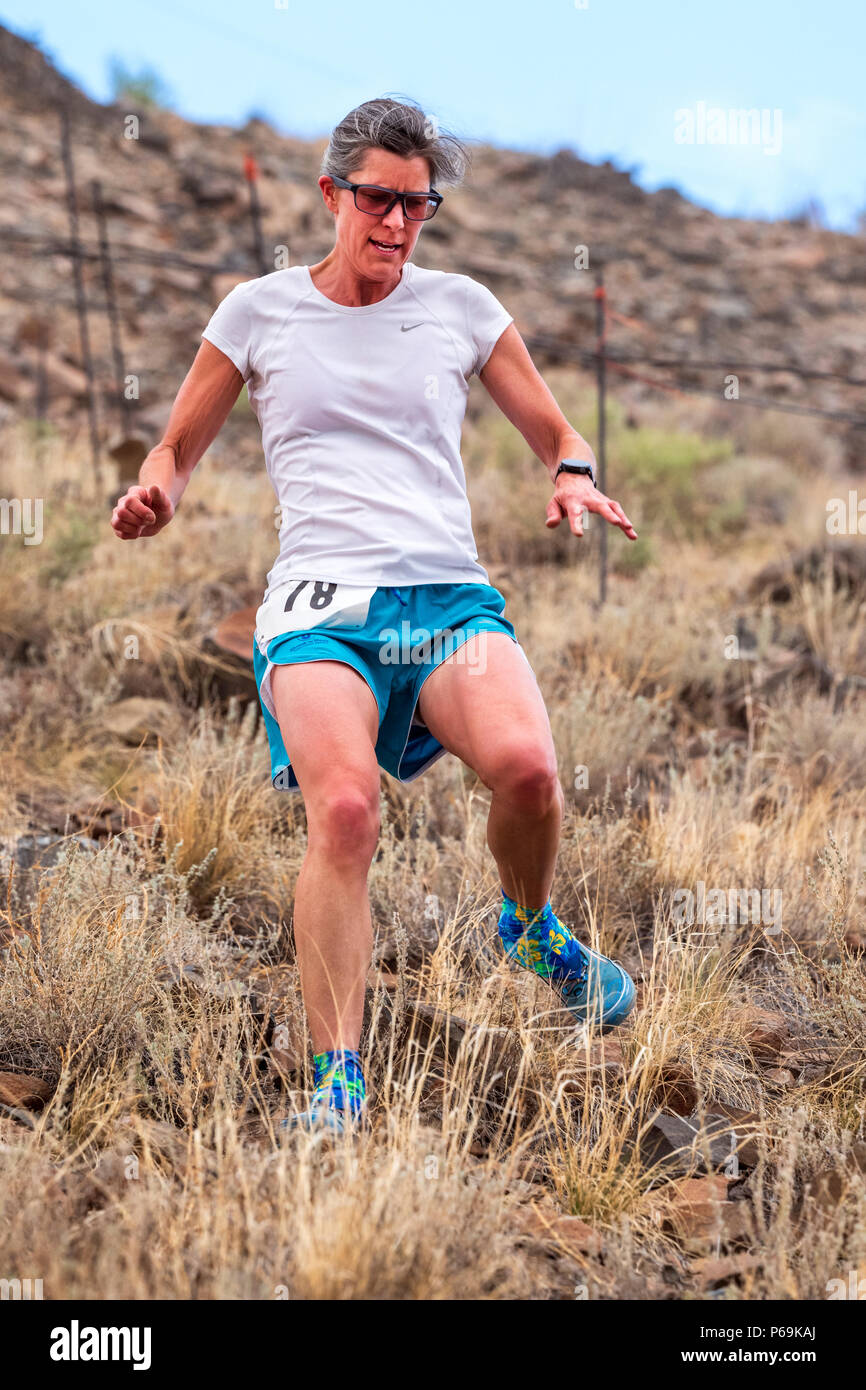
(379,642)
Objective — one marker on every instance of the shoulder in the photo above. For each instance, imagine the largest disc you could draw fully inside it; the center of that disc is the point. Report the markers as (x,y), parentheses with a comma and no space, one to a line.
(444,284)
(283,286)
(453,295)
(452,288)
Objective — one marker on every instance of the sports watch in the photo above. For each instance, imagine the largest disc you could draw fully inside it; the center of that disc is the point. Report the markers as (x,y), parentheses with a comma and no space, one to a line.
(576,466)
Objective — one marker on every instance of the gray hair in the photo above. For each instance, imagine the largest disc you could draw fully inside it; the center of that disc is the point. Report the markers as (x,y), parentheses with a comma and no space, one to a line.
(400,127)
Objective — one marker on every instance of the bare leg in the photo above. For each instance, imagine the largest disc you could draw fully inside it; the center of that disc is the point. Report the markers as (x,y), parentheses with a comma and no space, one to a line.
(492,716)
(487,708)
(523,836)
(329,721)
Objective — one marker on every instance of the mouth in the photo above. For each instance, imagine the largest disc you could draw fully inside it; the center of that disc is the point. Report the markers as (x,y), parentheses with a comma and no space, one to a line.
(386,248)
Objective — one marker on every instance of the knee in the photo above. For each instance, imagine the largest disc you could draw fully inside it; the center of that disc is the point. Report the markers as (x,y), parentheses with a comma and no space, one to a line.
(345,822)
(526,776)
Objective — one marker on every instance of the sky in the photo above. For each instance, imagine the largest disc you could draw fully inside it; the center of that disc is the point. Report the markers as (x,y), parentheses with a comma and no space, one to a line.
(649,84)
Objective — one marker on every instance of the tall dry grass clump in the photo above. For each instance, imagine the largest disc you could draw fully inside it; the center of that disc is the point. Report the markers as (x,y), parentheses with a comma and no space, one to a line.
(152,1034)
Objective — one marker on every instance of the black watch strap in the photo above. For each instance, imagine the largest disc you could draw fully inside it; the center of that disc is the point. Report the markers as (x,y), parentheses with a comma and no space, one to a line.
(576,466)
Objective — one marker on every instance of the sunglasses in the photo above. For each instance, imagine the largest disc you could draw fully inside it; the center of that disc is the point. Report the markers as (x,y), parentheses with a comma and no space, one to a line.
(378,202)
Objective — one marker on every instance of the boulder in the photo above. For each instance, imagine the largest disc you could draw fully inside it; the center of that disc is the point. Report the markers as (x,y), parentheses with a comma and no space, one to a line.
(141,720)
(234,635)
(24,1092)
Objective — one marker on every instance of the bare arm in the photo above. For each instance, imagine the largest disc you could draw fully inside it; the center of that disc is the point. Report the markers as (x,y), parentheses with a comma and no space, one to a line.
(201,407)
(517,387)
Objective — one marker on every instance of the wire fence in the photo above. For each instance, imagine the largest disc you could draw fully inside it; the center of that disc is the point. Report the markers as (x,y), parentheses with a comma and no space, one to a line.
(601,356)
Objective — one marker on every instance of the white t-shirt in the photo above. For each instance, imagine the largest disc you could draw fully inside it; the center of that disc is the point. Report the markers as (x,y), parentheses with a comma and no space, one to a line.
(361,411)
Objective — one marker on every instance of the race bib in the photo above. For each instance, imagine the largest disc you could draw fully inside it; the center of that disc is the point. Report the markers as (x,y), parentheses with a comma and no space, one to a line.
(300,605)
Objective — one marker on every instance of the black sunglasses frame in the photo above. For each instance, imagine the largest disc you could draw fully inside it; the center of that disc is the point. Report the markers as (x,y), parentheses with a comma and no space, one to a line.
(432,197)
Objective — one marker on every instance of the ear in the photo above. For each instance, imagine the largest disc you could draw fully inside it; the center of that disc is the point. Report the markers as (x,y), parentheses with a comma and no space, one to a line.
(329,192)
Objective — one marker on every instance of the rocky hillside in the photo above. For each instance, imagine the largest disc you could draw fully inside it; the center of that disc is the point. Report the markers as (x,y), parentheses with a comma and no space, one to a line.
(687,283)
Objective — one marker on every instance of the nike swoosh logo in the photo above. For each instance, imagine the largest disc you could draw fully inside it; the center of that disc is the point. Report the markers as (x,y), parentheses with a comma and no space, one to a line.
(407,328)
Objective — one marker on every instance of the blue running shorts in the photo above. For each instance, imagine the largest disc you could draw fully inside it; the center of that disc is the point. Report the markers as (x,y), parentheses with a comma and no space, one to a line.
(392,637)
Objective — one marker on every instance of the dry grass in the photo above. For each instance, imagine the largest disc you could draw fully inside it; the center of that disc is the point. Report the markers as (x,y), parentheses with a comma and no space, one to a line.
(147,971)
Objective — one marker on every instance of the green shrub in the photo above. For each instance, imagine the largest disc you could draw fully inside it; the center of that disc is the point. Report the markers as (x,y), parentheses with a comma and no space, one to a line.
(69,547)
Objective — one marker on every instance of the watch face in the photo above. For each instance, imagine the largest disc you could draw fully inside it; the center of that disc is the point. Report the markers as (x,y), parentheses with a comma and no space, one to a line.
(580,469)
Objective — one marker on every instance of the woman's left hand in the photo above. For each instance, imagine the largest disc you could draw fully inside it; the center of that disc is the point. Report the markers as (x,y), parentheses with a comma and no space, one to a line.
(574,495)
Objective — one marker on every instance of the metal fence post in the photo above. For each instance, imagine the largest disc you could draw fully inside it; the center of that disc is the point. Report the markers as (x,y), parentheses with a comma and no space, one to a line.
(111,304)
(601,373)
(80,295)
(251,174)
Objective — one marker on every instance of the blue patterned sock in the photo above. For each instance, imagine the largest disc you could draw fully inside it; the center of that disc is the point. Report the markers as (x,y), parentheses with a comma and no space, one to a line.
(535,938)
(339,1081)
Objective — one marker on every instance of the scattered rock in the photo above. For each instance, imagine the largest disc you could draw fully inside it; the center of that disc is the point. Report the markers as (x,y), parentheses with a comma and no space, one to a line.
(494,1056)
(765,1032)
(141,720)
(287,1048)
(601,1062)
(32,855)
(742,1119)
(423,939)
(807,1064)
(739,1128)
(435,1030)
(781,1076)
(30,851)
(96,818)
(568,1235)
(209,187)
(35,331)
(711,1271)
(24,1092)
(175,278)
(383,979)
(697,1211)
(534,1170)
(119,201)
(678,1147)
(828,1188)
(675,1090)
(777,581)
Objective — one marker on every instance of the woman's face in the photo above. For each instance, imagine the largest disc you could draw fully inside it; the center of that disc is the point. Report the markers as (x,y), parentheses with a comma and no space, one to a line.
(377,247)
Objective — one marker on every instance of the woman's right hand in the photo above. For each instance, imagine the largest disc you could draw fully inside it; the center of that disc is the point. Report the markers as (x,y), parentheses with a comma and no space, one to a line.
(142,511)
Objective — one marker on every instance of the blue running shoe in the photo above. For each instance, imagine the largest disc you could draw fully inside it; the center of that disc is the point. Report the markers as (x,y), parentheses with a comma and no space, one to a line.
(591,986)
(604,992)
(321,1120)
(338,1102)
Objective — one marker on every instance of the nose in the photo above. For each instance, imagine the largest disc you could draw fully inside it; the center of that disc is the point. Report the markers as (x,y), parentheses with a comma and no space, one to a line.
(395,220)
